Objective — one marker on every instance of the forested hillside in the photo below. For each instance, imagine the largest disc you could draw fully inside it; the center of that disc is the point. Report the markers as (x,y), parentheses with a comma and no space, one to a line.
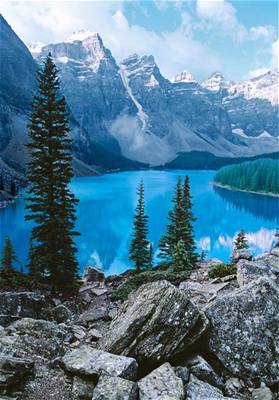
(258,176)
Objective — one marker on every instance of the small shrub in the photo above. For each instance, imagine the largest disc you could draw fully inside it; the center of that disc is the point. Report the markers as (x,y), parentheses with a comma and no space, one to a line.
(221,270)
(138,279)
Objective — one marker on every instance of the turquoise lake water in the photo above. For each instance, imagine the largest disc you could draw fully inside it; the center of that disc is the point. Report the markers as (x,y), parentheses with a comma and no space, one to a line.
(105,214)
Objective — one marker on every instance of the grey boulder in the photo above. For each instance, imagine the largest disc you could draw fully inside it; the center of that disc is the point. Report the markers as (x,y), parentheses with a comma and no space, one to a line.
(162,383)
(14,372)
(199,390)
(244,330)
(202,370)
(115,388)
(157,322)
(14,305)
(89,361)
(248,271)
(35,339)
(240,254)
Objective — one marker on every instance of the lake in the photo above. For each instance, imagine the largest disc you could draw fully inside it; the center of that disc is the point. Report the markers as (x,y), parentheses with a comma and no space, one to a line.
(105,214)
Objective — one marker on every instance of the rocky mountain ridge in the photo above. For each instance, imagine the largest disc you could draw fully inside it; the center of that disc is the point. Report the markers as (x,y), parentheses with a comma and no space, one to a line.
(150,112)
(206,338)
(129,113)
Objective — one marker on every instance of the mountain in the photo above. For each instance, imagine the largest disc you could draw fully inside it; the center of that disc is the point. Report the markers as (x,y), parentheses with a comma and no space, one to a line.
(17,87)
(252,105)
(126,114)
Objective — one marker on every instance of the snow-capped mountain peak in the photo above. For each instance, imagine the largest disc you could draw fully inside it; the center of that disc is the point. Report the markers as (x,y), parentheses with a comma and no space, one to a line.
(262,87)
(80,35)
(184,76)
(215,82)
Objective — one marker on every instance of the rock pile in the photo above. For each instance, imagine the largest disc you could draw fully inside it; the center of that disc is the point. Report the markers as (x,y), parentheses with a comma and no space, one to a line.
(205,339)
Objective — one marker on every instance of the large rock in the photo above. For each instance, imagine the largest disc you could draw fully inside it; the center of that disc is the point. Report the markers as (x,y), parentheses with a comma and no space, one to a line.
(14,372)
(157,322)
(15,305)
(244,330)
(240,254)
(198,390)
(248,271)
(93,276)
(202,370)
(89,361)
(113,388)
(162,383)
(35,339)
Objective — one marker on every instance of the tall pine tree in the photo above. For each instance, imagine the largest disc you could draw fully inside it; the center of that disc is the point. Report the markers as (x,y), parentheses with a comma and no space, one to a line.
(180,224)
(50,203)
(8,255)
(188,238)
(140,246)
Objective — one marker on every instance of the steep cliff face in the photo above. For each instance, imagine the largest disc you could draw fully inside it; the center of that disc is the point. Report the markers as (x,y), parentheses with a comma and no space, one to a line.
(17,84)
(17,87)
(91,83)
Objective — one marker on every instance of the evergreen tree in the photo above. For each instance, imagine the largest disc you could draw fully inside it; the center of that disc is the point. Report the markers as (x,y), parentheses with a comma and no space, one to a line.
(181,258)
(240,241)
(31,262)
(139,248)
(13,188)
(8,255)
(150,266)
(189,240)
(1,183)
(50,203)
(180,225)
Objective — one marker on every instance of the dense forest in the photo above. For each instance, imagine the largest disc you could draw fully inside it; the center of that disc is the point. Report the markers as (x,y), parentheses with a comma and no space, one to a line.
(261,175)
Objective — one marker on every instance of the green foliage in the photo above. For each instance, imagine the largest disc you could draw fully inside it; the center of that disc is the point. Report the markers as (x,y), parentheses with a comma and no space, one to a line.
(180,225)
(258,176)
(8,255)
(50,204)
(221,270)
(1,183)
(181,259)
(11,279)
(140,246)
(240,241)
(138,279)
(13,188)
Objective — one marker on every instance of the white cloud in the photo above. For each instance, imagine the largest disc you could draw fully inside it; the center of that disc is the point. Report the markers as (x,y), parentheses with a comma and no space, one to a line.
(266,32)
(220,16)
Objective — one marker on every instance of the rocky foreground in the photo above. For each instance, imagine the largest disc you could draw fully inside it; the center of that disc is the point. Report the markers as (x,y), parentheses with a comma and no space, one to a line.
(206,339)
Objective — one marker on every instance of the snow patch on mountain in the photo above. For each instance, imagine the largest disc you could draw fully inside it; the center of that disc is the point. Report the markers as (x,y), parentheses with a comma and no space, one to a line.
(125,79)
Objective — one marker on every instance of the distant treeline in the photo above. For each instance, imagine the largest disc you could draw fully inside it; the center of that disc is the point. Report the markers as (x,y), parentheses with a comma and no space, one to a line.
(256,176)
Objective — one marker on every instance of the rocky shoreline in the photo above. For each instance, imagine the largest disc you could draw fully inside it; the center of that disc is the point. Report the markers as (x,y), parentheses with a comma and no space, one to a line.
(244,191)
(204,339)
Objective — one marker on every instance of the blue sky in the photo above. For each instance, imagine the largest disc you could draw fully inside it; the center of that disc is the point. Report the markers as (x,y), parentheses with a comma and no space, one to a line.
(239,38)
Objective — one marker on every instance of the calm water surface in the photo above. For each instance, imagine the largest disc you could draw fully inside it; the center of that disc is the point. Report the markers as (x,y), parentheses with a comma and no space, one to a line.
(107,203)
